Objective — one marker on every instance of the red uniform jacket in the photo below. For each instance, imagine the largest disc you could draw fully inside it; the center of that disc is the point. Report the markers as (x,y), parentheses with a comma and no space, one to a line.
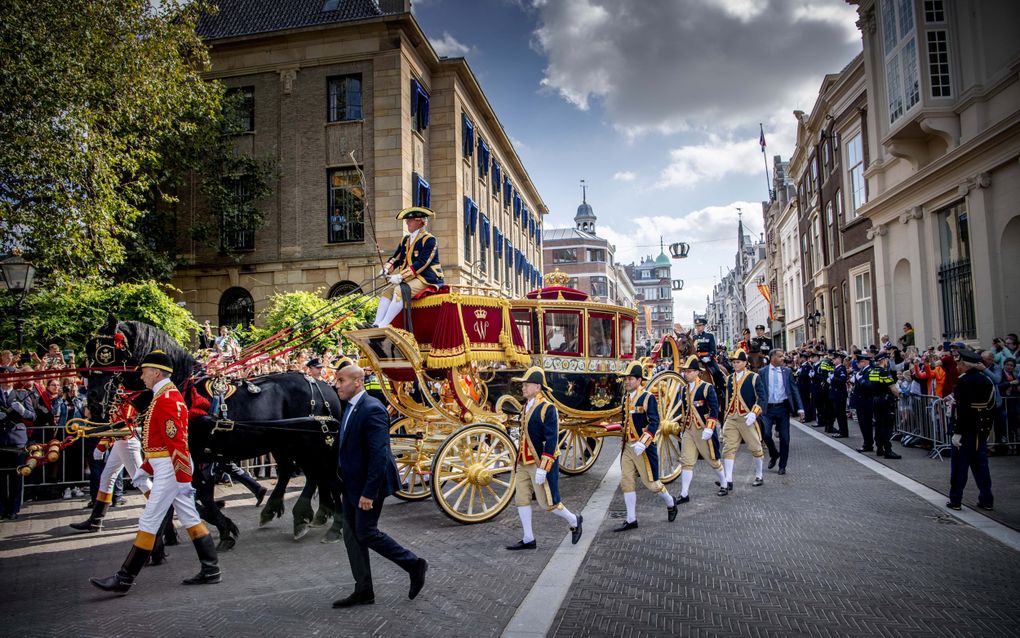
(165,432)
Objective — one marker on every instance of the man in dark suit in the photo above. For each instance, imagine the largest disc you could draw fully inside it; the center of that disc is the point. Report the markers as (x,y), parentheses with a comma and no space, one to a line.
(16,408)
(783,400)
(368,474)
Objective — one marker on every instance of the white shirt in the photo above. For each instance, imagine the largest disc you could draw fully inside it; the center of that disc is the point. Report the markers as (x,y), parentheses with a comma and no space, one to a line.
(410,241)
(160,384)
(777,386)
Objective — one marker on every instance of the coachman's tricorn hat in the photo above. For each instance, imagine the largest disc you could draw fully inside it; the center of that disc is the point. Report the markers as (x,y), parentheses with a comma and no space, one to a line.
(692,363)
(159,360)
(738,355)
(534,374)
(634,369)
(342,363)
(415,212)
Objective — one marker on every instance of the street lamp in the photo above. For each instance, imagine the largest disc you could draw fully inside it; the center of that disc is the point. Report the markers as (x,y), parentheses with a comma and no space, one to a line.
(18,276)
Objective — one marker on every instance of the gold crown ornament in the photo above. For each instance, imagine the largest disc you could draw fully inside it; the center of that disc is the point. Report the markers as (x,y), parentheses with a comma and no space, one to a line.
(557,278)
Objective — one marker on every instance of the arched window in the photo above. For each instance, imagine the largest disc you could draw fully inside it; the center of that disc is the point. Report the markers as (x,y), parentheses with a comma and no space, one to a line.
(341,288)
(237,308)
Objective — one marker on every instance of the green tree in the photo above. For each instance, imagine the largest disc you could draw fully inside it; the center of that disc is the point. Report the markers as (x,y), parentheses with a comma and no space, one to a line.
(290,308)
(102,103)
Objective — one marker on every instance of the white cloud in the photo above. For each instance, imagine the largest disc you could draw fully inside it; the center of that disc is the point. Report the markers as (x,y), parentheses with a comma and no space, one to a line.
(625,176)
(668,67)
(449,46)
(689,165)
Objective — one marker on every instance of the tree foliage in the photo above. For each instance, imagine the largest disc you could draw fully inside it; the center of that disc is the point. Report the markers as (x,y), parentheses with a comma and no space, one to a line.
(70,314)
(287,309)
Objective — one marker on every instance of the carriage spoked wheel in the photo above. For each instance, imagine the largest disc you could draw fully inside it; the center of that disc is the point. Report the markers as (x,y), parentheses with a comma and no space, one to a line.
(666,387)
(413,460)
(473,474)
(577,451)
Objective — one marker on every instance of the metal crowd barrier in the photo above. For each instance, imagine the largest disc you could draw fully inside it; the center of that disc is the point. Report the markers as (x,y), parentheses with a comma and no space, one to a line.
(1007,431)
(924,418)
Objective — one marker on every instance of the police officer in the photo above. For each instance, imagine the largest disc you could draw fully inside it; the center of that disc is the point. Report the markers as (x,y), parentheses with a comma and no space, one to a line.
(975,407)
(838,395)
(705,347)
(860,399)
(537,467)
(745,401)
(804,375)
(639,458)
(884,394)
(820,390)
(699,438)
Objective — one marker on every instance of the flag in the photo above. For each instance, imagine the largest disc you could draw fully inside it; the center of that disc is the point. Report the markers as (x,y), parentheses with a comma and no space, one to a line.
(767,294)
(648,319)
(761,140)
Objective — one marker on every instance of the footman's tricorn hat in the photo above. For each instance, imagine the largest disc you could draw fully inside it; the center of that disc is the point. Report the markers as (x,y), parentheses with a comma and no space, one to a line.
(635,370)
(159,360)
(534,374)
(415,212)
(692,363)
(738,355)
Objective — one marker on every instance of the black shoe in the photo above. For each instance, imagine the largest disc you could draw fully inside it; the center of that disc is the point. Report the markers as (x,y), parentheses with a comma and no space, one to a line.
(353,600)
(680,500)
(782,471)
(892,455)
(840,436)
(626,527)
(729,486)
(260,496)
(418,578)
(865,449)
(12,517)
(987,508)
(772,462)
(671,512)
(87,525)
(575,532)
(954,506)
(522,545)
(757,482)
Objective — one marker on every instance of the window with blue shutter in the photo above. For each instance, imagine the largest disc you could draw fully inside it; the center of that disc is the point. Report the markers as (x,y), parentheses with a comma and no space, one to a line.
(517,204)
(507,189)
(524,217)
(485,238)
(509,252)
(497,177)
(470,219)
(419,106)
(469,136)
(538,235)
(484,156)
(498,241)
(421,192)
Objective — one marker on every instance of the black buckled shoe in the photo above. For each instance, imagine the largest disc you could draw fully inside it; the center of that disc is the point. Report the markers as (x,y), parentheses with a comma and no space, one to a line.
(758,482)
(519,545)
(626,527)
(671,512)
(354,600)
(575,532)
(680,500)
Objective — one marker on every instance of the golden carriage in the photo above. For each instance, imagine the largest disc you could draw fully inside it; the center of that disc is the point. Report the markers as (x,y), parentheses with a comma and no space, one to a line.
(449,379)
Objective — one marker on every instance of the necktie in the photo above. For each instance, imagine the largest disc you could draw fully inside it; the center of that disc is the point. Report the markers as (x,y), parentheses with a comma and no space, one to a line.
(347,416)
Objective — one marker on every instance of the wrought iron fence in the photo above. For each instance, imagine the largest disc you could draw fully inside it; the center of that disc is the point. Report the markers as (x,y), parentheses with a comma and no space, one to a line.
(957,290)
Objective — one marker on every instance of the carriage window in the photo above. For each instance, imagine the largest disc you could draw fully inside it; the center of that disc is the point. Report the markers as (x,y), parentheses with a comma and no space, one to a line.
(626,338)
(600,335)
(561,332)
(523,320)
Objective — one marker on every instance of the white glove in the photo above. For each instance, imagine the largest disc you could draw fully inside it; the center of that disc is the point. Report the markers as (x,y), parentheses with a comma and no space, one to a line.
(17,407)
(706,434)
(98,454)
(706,359)
(539,477)
(396,279)
(638,448)
(750,419)
(140,476)
(384,272)
(957,440)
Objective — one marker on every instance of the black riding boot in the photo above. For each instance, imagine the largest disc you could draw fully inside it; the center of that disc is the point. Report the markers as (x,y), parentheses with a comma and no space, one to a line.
(210,563)
(94,523)
(121,581)
(159,553)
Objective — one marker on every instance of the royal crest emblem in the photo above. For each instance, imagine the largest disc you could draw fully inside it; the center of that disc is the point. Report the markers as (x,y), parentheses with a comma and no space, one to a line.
(171,428)
(104,355)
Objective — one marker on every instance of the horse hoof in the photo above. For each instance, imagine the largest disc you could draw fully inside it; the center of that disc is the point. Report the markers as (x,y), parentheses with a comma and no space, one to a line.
(301,531)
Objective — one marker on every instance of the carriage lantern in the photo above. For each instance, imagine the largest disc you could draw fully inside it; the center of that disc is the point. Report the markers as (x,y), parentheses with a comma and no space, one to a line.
(679,250)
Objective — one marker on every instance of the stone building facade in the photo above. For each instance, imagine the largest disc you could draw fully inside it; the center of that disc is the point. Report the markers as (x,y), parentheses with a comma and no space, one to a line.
(360,118)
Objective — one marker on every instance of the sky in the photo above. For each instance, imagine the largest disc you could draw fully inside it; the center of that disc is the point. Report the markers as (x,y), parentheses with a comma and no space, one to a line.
(656,104)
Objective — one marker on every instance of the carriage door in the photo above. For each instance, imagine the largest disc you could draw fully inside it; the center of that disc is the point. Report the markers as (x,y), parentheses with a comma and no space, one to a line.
(524,319)
(563,332)
(626,338)
(601,335)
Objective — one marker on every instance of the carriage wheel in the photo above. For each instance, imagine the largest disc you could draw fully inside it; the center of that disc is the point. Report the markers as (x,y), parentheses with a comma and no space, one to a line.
(473,475)
(666,388)
(413,460)
(577,452)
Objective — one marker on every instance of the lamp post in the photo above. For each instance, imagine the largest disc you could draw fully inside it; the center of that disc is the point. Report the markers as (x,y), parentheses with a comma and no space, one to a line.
(18,276)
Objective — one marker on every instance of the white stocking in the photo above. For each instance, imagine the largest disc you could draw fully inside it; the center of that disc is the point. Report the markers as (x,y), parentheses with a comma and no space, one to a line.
(666,496)
(722,477)
(759,464)
(525,515)
(384,303)
(686,476)
(728,468)
(630,500)
(566,515)
(394,309)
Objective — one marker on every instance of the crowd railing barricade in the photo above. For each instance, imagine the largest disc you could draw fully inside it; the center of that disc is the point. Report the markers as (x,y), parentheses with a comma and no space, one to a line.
(1009,434)
(923,418)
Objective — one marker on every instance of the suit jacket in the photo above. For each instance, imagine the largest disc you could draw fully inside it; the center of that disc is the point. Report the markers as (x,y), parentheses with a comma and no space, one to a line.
(793,402)
(365,463)
(13,432)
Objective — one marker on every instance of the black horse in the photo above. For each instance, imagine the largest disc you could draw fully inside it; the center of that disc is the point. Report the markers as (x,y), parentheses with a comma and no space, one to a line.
(275,414)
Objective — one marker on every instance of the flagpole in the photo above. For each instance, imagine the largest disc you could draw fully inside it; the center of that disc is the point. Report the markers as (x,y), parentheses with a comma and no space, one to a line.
(764,157)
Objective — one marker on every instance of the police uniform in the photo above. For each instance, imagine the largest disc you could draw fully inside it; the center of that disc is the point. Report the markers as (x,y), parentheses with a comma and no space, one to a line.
(415,262)
(820,389)
(860,399)
(165,444)
(536,463)
(883,406)
(745,401)
(124,453)
(639,458)
(804,375)
(975,413)
(837,398)
(700,416)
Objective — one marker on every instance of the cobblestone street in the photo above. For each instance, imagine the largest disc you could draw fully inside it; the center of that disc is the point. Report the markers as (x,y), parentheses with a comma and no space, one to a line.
(831,548)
